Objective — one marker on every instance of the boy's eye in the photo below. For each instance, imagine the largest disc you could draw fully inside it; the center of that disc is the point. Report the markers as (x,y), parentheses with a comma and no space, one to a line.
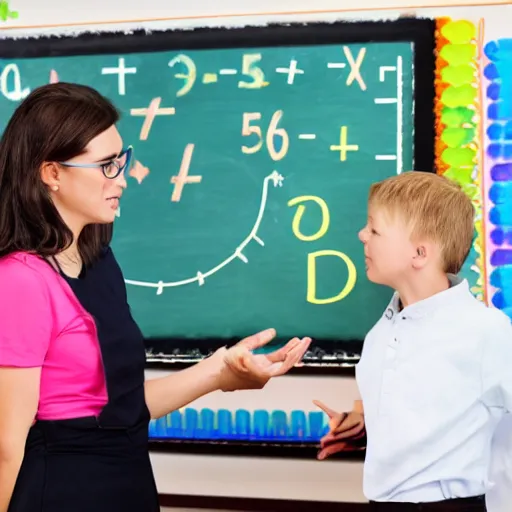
(374,232)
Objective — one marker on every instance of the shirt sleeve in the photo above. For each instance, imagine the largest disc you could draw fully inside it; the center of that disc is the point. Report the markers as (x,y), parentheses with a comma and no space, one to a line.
(26,318)
(497,363)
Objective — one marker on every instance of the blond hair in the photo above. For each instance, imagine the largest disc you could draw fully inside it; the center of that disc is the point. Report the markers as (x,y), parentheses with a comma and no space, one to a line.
(436,209)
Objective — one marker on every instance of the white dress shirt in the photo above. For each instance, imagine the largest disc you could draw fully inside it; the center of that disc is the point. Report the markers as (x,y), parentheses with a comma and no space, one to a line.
(435,379)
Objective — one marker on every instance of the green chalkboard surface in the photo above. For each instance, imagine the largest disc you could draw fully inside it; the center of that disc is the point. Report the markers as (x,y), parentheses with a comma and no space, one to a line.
(252,170)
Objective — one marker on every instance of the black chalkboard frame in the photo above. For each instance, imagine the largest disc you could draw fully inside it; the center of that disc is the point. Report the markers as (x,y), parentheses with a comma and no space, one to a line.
(328,356)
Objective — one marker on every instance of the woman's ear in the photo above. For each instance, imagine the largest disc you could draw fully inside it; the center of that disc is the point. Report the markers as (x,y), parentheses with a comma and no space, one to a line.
(50,175)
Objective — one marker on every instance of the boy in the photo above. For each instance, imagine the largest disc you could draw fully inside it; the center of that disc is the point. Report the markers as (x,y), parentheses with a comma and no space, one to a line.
(435,374)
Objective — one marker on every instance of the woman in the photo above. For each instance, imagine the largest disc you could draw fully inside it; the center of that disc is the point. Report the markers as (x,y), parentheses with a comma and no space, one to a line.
(74,407)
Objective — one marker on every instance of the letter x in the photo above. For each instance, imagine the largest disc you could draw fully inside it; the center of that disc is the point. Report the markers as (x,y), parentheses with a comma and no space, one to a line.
(355,66)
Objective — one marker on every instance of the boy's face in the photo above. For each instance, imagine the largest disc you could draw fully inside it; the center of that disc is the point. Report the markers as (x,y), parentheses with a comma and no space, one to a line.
(390,254)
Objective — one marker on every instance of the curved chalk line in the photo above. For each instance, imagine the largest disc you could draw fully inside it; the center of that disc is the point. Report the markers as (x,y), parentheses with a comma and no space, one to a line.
(200,277)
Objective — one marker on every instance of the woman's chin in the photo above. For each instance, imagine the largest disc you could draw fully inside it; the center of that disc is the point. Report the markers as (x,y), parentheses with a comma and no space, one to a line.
(106,218)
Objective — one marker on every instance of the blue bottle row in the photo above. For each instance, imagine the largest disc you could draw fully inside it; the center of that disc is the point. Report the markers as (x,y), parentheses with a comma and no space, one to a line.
(241,425)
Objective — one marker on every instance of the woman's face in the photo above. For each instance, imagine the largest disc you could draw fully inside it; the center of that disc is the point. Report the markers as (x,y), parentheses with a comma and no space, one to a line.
(84,195)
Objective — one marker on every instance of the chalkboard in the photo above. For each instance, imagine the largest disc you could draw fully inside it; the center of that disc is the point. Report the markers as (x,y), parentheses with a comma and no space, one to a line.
(255,149)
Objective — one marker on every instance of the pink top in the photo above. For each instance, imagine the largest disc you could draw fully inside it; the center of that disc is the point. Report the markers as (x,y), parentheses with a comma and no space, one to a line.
(44,325)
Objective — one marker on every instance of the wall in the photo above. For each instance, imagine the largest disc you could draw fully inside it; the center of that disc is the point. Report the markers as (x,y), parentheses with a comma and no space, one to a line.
(57,12)
(229,476)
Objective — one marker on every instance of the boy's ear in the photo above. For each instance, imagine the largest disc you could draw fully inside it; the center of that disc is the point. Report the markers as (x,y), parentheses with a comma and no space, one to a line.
(420,258)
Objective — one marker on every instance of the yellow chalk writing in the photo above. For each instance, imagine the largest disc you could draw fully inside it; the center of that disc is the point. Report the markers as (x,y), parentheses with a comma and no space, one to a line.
(324,226)
(250,68)
(311,278)
(343,147)
(209,78)
(189,76)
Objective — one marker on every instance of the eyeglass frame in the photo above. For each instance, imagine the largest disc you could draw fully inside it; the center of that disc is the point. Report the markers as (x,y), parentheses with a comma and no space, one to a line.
(128,152)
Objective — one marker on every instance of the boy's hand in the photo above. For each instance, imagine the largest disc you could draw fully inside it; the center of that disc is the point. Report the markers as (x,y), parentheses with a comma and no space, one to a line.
(347,430)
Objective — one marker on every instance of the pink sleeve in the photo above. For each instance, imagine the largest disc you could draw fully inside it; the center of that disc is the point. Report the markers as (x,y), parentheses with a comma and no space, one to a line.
(26,319)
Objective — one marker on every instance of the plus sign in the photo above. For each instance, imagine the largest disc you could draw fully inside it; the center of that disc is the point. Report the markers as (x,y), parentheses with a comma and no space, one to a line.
(291,71)
(122,71)
(150,113)
(183,178)
(343,147)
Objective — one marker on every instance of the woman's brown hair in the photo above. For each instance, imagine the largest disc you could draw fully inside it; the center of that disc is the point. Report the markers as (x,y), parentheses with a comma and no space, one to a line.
(53,124)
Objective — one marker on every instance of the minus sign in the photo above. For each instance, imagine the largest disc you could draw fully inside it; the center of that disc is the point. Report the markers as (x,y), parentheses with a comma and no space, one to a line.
(308,136)
(228,72)
(336,65)
(385,157)
(383,101)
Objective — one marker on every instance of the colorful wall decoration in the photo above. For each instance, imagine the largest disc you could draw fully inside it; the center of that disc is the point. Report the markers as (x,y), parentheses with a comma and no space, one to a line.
(458,122)
(5,11)
(498,164)
(474,146)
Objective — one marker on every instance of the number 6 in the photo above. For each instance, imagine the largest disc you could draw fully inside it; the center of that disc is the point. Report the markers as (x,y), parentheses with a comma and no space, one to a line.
(272,132)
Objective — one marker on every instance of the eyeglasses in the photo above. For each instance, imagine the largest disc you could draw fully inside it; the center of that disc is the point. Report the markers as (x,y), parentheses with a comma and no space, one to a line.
(111,169)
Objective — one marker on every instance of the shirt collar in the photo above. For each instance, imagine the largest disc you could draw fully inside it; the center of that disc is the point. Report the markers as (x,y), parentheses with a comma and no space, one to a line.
(458,288)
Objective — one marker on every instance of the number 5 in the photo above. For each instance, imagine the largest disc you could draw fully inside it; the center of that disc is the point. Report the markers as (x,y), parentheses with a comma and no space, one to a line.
(249,68)
(247,129)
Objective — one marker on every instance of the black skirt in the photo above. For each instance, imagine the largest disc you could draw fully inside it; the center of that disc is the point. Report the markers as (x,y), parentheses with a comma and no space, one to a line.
(77,466)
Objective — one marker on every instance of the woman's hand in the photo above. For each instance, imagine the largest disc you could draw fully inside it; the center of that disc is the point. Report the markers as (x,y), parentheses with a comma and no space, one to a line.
(241,369)
(226,369)
(346,431)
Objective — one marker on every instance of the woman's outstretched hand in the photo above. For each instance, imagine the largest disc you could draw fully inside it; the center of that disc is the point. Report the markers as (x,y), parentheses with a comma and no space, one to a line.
(241,369)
